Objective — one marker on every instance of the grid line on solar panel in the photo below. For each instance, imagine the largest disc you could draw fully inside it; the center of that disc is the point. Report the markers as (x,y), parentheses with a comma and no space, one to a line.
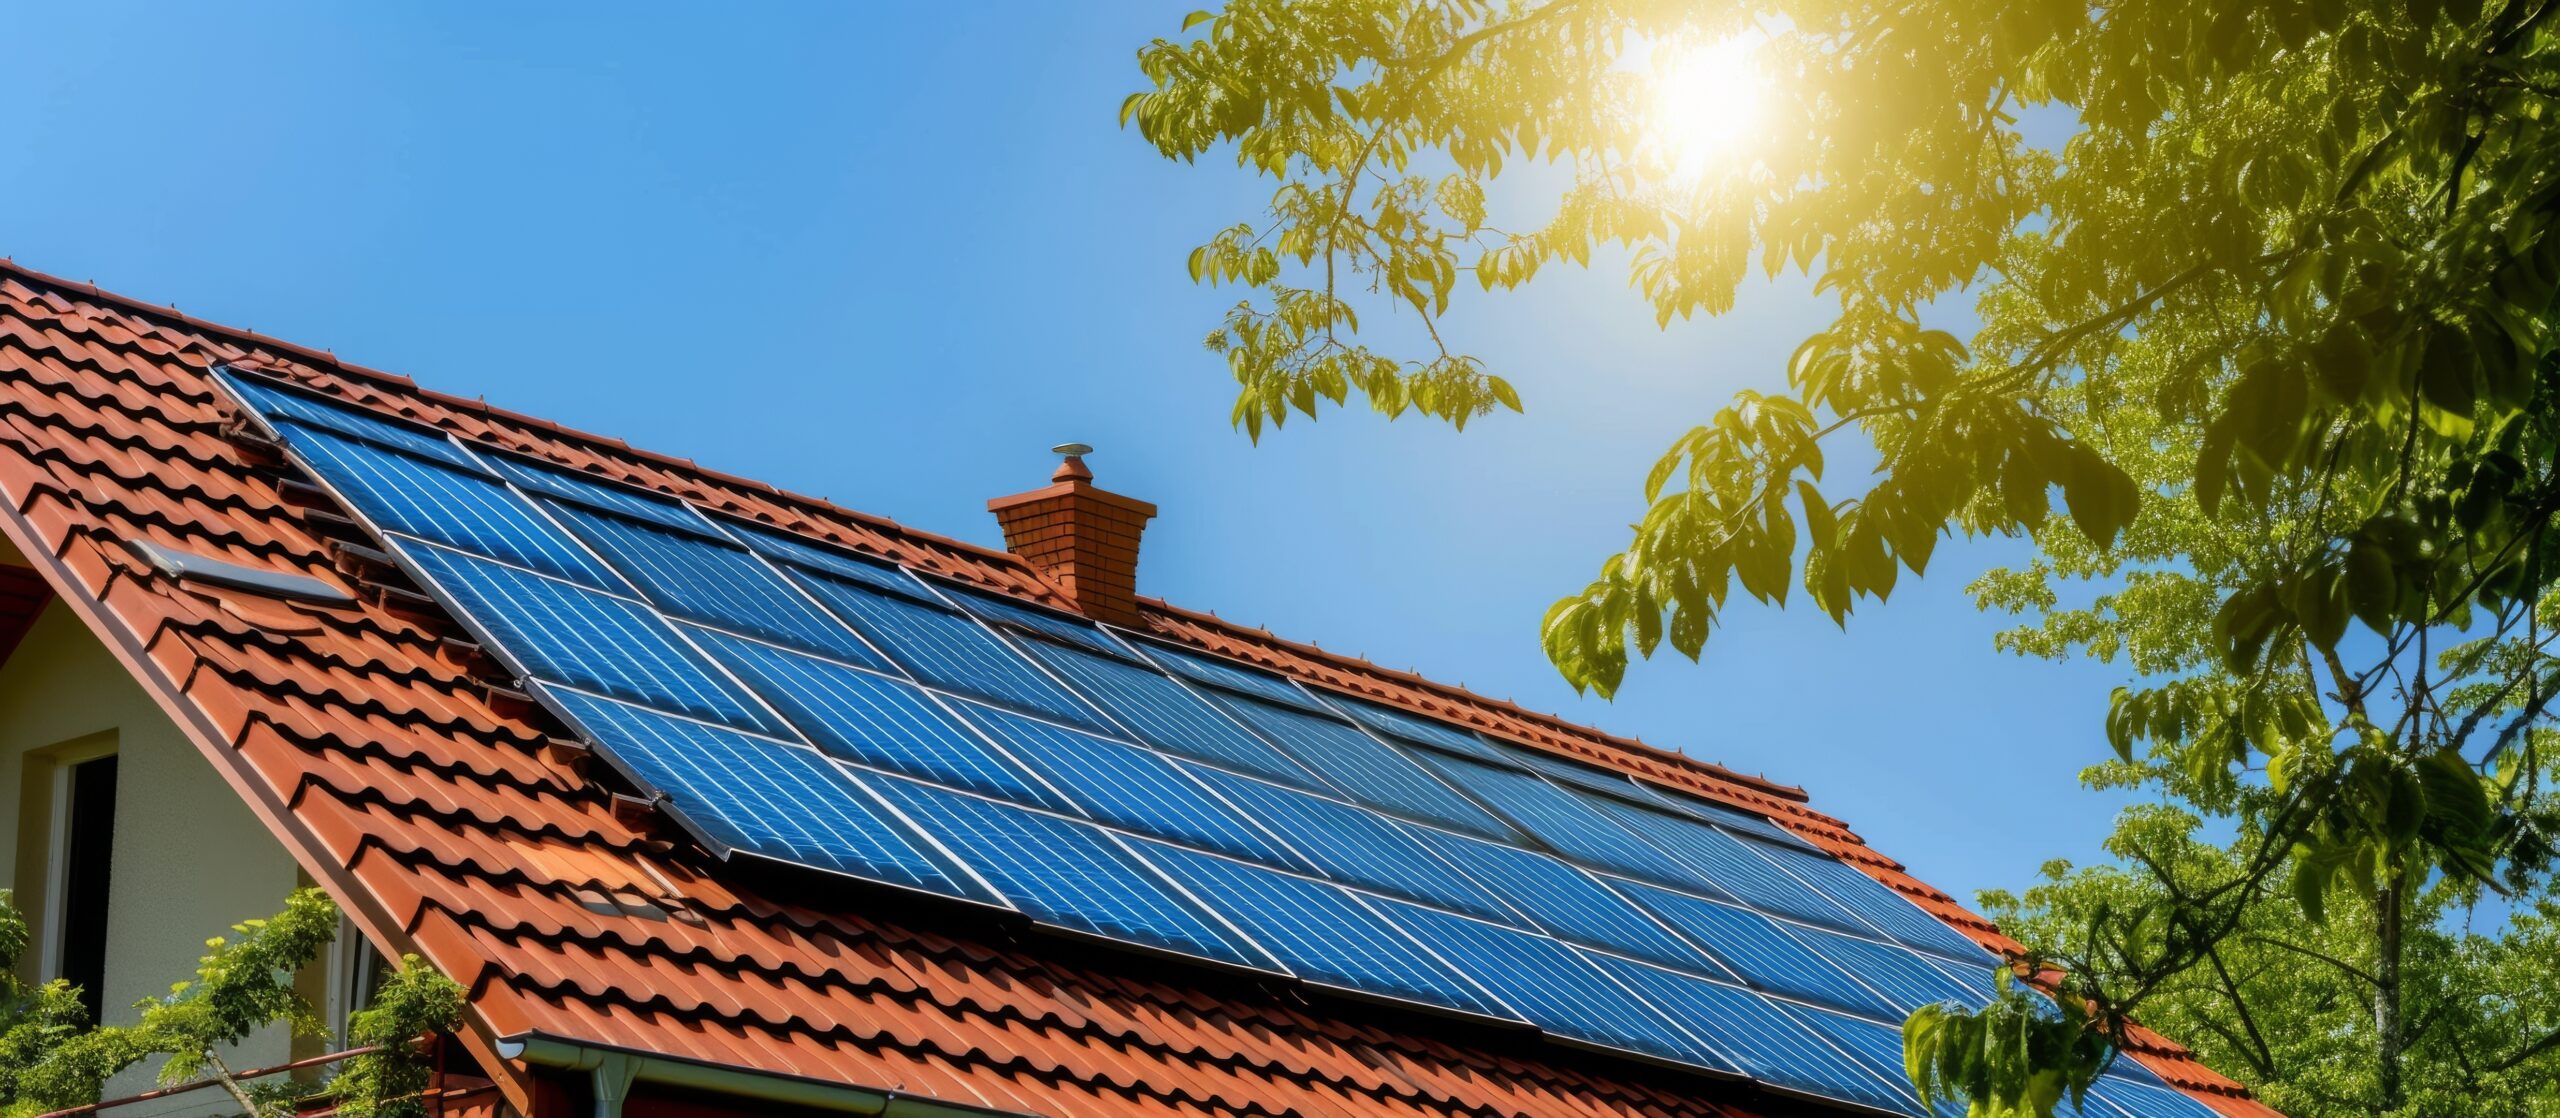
(400,493)
(1130,786)
(1904,979)
(875,720)
(1730,869)
(1563,821)
(783,547)
(1004,613)
(561,632)
(549,481)
(762,796)
(1550,985)
(1157,710)
(274,402)
(1070,874)
(715,583)
(1876,1047)
(1353,844)
(1320,931)
(1365,769)
(1755,1035)
(1875,904)
(949,649)
(1760,950)
(1561,899)
(1218,672)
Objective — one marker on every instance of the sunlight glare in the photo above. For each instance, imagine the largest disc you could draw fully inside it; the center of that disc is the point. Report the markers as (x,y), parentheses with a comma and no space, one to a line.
(1707,103)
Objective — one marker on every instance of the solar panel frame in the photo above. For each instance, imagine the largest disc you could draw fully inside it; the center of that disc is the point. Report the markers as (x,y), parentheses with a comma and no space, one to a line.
(1364,768)
(1721,815)
(1758,949)
(709,581)
(2136,1099)
(1351,844)
(1773,1048)
(392,492)
(1875,1046)
(1156,709)
(1299,919)
(1563,900)
(712,694)
(1875,905)
(1407,726)
(1901,976)
(1550,814)
(1224,674)
(993,837)
(265,399)
(1730,868)
(545,480)
(948,649)
(1033,621)
(826,559)
(1132,787)
(876,720)
(617,728)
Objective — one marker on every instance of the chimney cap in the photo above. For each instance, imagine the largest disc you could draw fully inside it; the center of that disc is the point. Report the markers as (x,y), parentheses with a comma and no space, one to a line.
(1072,450)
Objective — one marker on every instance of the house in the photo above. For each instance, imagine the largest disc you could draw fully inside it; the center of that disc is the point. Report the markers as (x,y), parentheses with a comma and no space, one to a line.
(243,652)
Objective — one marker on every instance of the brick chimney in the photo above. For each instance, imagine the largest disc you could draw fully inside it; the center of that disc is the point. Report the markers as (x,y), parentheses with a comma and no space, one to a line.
(1085,539)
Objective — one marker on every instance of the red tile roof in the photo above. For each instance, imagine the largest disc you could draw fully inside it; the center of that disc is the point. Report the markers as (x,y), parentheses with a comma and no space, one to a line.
(383,749)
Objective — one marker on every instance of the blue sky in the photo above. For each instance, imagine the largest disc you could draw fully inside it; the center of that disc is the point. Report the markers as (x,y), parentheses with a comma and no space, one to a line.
(891,256)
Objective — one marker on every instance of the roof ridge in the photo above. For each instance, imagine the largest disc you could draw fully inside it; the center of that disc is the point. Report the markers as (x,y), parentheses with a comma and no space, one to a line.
(480,407)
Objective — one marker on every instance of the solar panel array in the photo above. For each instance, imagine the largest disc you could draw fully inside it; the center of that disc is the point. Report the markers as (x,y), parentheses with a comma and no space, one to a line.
(799,703)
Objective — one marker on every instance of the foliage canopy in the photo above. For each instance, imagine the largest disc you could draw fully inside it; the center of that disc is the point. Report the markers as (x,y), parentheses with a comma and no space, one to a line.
(2260,361)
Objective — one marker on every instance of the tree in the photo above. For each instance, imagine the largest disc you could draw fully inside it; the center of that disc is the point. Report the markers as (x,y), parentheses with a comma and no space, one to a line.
(52,1057)
(2263,294)
(2284,1001)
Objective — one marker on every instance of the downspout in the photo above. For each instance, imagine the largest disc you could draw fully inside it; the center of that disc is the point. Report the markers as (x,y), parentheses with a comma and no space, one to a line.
(613,1072)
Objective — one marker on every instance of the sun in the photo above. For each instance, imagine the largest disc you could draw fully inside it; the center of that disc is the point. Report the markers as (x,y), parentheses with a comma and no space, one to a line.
(1708,103)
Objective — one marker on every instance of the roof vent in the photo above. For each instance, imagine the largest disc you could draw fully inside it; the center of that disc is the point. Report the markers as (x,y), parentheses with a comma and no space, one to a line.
(1083,538)
(188,566)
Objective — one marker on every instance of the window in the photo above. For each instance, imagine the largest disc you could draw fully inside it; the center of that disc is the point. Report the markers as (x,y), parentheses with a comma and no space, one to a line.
(85,845)
(355,976)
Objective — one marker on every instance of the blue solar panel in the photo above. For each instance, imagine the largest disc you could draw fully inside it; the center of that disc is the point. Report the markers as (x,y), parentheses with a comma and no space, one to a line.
(2142,1100)
(1730,818)
(1906,980)
(763,796)
(1323,933)
(597,493)
(948,649)
(1551,985)
(1728,865)
(1136,788)
(1069,874)
(1878,1048)
(1566,821)
(564,633)
(1414,727)
(1579,775)
(1368,770)
(828,560)
(714,583)
(1200,667)
(1761,951)
(1756,1035)
(416,497)
(1876,904)
(1354,845)
(1560,899)
(1164,714)
(275,403)
(1032,619)
(875,720)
